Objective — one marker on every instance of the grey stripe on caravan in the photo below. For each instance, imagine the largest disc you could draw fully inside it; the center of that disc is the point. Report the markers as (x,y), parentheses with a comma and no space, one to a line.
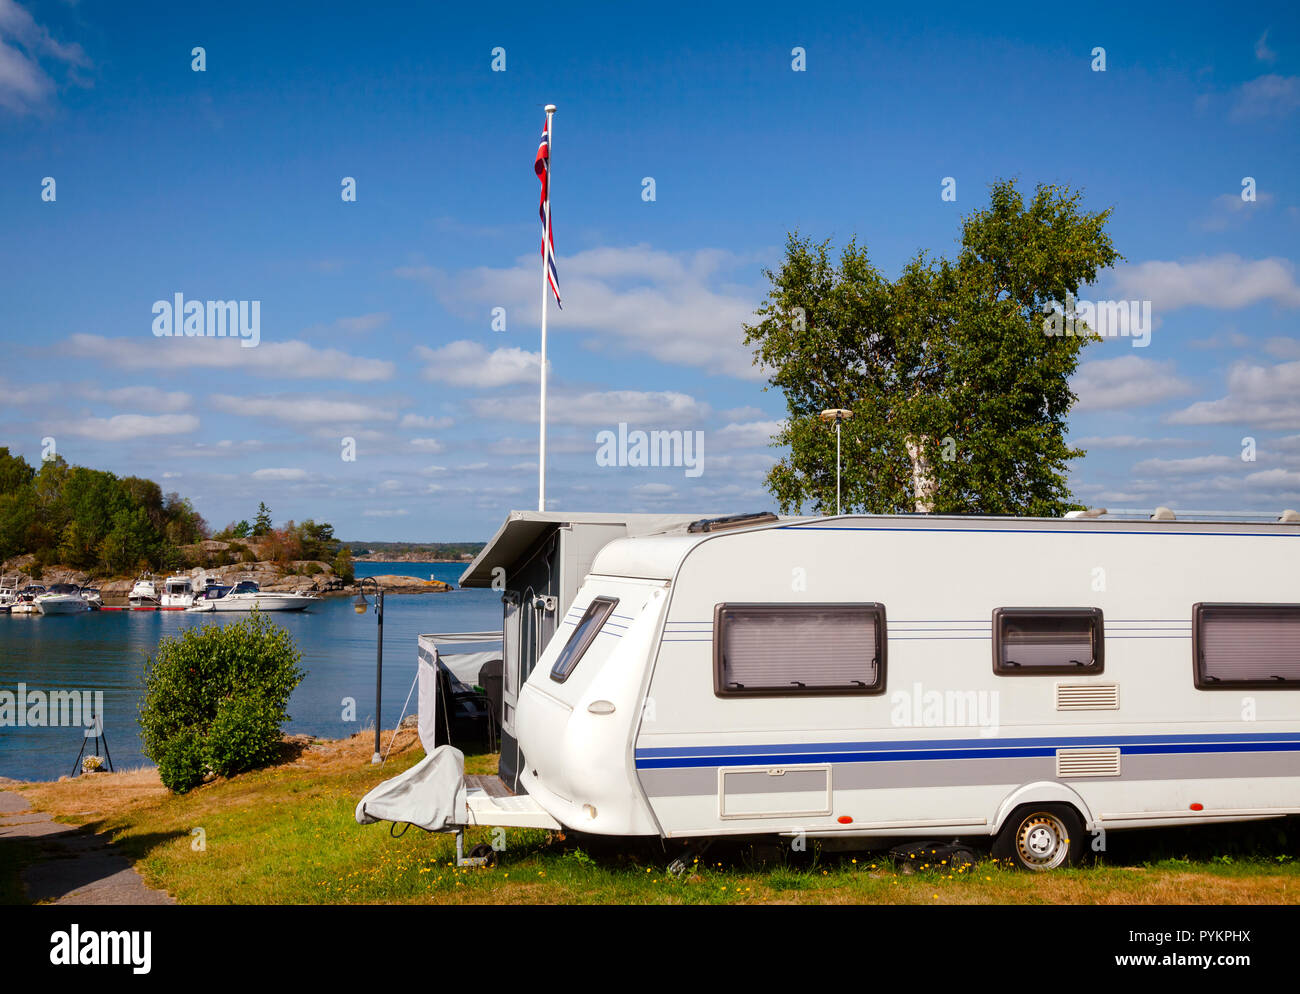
(971,772)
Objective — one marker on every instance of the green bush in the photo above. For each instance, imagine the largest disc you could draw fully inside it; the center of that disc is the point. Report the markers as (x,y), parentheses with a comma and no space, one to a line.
(245,734)
(181,766)
(215,698)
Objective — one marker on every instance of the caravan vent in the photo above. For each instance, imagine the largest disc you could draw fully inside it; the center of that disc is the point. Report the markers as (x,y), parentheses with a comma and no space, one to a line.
(1087,762)
(1087,697)
(731,521)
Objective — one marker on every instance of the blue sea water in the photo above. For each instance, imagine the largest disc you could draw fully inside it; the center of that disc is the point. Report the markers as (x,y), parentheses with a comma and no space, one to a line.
(106,651)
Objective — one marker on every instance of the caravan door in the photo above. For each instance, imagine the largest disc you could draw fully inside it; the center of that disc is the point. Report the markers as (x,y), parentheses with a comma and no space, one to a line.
(511,661)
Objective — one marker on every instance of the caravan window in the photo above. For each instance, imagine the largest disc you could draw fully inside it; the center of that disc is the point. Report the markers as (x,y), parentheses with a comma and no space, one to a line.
(786,649)
(589,626)
(1029,641)
(1246,645)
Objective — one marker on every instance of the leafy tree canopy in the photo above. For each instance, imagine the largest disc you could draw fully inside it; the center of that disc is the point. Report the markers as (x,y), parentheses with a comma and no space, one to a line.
(959,398)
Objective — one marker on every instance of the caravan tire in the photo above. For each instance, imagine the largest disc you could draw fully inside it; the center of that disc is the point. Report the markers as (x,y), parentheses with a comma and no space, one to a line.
(1041,837)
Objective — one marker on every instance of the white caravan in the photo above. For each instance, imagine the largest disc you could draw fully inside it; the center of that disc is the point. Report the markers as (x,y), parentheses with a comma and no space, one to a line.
(1039,681)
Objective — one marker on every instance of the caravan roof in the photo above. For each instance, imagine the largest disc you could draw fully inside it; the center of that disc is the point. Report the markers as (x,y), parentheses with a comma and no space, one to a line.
(658,557)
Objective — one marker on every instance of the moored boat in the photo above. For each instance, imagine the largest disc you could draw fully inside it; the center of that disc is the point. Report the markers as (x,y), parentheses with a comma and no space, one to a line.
(178,593)
(61,598)
(8,593)
(25,599)
(93,598)
(247,595)
(145,592)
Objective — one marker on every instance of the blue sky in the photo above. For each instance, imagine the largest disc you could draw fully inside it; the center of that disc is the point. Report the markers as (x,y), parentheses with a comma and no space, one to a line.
(376,315)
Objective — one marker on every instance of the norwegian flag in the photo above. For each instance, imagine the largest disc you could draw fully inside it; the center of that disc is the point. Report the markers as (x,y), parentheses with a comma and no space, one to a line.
(542,166)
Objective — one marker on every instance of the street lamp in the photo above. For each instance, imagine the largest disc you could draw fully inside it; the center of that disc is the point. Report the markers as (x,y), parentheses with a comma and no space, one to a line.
(359,605)
(839,415)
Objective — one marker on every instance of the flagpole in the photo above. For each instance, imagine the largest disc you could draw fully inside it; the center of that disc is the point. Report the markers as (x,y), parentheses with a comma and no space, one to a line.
(541,441)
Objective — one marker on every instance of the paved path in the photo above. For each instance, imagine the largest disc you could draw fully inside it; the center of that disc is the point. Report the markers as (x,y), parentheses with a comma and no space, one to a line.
(76,866)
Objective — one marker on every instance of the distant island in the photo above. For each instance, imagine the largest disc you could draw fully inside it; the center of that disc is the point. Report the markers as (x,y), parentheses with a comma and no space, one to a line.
(414,552)
(61,523)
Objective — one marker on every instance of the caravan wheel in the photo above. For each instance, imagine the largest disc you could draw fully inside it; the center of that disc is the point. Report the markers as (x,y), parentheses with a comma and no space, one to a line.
(1041,837)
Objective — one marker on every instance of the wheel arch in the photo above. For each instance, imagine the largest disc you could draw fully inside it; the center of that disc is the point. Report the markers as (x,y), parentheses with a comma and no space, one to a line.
(1042,792)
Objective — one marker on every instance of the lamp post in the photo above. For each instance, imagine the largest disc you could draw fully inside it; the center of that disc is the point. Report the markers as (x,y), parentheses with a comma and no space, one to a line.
(839,415)
(359,605)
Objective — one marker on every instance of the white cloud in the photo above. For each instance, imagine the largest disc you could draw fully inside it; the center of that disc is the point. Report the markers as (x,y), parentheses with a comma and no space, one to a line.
(749,435)
(1224,282)
(400,512)
(555,442)
(149,398)
(305,409)
(280,473)
(1266,96)
(642,409)
(25,83)
(1275,477)
(288,360)
(1196,464)
(1125,442)
(1229,210)
(1129,381)
(674,306)
(1283,348)
(363,323)
(426,445)
(469,364)
(1258,397)
(1262,51)
(425,421)
(124,427)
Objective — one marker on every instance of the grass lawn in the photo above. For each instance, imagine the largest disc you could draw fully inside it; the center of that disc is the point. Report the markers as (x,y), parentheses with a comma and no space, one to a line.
(286,835)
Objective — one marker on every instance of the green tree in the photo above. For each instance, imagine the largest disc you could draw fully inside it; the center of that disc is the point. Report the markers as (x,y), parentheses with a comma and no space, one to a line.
(17,515)
(15,473)
(317,540)
(343,566)
(959,397)
(262,523)
(132,542)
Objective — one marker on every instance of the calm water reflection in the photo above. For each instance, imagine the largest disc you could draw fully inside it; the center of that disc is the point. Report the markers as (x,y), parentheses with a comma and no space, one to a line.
(105,651)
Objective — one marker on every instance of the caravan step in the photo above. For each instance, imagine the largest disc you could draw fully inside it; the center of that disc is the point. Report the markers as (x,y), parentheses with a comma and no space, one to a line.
(519,811)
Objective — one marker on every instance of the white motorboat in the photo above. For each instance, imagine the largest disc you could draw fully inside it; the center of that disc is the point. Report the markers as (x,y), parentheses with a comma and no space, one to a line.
(144,593)
(94,599)
(25,599)
(178,592)
(8,593)
(61,598)
(247,595)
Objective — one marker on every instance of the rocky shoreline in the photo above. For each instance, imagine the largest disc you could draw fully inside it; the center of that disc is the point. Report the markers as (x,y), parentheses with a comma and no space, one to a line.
(301,576)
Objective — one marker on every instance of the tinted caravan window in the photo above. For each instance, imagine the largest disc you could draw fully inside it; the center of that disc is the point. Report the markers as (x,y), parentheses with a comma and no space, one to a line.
(589,625)
(1030,641)
(787,650)
(1246,645)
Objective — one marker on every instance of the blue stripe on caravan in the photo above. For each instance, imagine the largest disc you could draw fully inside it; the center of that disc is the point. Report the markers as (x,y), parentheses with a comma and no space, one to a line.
(857,752)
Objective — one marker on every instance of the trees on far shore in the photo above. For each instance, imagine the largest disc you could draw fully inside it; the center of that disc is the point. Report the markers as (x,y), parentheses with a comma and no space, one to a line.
(91,519)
